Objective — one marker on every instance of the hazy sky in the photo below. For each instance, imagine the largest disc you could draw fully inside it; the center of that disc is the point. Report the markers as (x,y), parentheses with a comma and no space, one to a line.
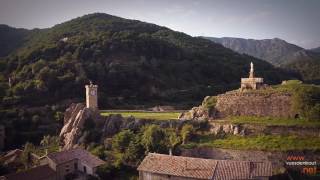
(296,21)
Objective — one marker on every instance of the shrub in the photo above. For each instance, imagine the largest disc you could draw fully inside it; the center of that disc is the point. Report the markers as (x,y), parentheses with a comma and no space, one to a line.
(187,132)
(154,139)
(121,141)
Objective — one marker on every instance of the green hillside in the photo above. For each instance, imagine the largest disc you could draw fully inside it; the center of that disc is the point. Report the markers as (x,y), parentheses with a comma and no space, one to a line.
(11,39)
(309,69)
(132,62)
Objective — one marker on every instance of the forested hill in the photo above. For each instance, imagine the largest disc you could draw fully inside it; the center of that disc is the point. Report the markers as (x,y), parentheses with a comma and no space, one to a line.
(11,39)
(133,62)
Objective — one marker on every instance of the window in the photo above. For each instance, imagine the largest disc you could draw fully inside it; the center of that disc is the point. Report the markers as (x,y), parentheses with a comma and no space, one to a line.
(84,169)
(76,166)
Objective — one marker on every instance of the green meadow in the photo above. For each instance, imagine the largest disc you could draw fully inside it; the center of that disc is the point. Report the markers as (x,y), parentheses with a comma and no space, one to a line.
(172,115)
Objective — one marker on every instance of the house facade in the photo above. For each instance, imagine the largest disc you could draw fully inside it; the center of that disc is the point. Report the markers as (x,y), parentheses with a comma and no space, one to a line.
(74,160)
(56,166)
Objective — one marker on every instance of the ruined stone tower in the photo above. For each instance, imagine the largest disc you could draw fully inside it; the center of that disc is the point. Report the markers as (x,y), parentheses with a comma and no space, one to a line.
(252,82)
(92,96)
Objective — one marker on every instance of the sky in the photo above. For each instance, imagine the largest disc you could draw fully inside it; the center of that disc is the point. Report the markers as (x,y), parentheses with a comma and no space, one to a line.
(296,21)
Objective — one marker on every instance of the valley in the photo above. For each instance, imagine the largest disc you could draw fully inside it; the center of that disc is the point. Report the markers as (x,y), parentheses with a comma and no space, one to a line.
(115,92)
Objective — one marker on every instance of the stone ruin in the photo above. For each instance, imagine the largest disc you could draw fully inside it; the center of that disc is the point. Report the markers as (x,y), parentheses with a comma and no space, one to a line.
(252,82)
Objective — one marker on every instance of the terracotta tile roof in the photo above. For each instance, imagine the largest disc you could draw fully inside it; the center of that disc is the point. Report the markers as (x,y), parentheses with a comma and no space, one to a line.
(242,170)
(204,168)
(11,156)
(261,169)
(178,166)
(37,173)
(77,153)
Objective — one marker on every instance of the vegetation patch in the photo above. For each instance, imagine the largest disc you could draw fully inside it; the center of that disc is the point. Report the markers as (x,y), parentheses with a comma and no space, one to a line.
(262,142)
(272,121)
(145,114)
(209,102)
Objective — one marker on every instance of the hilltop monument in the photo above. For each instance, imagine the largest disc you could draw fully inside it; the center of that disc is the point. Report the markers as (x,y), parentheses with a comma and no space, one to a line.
(252,82)
(92,96)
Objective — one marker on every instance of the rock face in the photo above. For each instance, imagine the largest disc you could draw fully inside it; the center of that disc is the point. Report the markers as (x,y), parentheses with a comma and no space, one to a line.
(196,113)
(226,128)
(254,104)
(74,119)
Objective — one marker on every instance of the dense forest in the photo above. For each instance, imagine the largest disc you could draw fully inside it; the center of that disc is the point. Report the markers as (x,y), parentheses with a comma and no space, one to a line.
(308,68)
(133,62)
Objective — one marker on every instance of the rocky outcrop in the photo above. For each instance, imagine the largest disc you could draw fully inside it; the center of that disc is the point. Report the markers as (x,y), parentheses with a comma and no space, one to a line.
(226,128)
(74,118)
(196,113)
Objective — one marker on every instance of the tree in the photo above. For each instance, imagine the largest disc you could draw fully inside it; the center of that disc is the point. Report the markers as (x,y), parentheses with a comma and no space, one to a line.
(135,151)
(98,151)
(187,132)
(173,139)
(59,116)
(154,139)
(50,143)
(121,141)
(26,155)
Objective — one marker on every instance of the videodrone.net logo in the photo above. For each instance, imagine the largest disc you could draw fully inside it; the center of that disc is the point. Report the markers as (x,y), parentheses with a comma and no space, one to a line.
(307,167)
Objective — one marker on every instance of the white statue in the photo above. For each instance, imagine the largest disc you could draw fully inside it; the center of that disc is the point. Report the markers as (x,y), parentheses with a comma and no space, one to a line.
(251,70)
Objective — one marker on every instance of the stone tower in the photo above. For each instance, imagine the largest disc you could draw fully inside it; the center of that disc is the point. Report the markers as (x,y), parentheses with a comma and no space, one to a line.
(92,96)
(252,82)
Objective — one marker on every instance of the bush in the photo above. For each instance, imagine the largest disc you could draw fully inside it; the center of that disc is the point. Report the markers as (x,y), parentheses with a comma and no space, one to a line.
(187,133)
(209,102)
(306,101)
(121,141)
(98,151)
(154,139)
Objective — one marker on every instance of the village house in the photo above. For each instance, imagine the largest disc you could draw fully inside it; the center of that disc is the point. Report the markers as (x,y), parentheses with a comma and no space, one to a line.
(56,166)
(168,167)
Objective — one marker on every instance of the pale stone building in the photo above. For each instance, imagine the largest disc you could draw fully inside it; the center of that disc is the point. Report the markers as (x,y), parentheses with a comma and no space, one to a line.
(57,166)
(74,160)
(252,82)
(92,96)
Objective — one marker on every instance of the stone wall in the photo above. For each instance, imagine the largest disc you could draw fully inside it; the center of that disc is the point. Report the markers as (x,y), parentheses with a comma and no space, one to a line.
(222,127)
(235,103)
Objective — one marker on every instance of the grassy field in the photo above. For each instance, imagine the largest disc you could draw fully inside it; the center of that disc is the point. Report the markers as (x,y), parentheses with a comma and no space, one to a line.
(145,114)
(262,142)
(274,121)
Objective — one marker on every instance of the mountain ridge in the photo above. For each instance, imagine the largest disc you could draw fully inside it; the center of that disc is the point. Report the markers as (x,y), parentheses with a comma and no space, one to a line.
(276,51)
